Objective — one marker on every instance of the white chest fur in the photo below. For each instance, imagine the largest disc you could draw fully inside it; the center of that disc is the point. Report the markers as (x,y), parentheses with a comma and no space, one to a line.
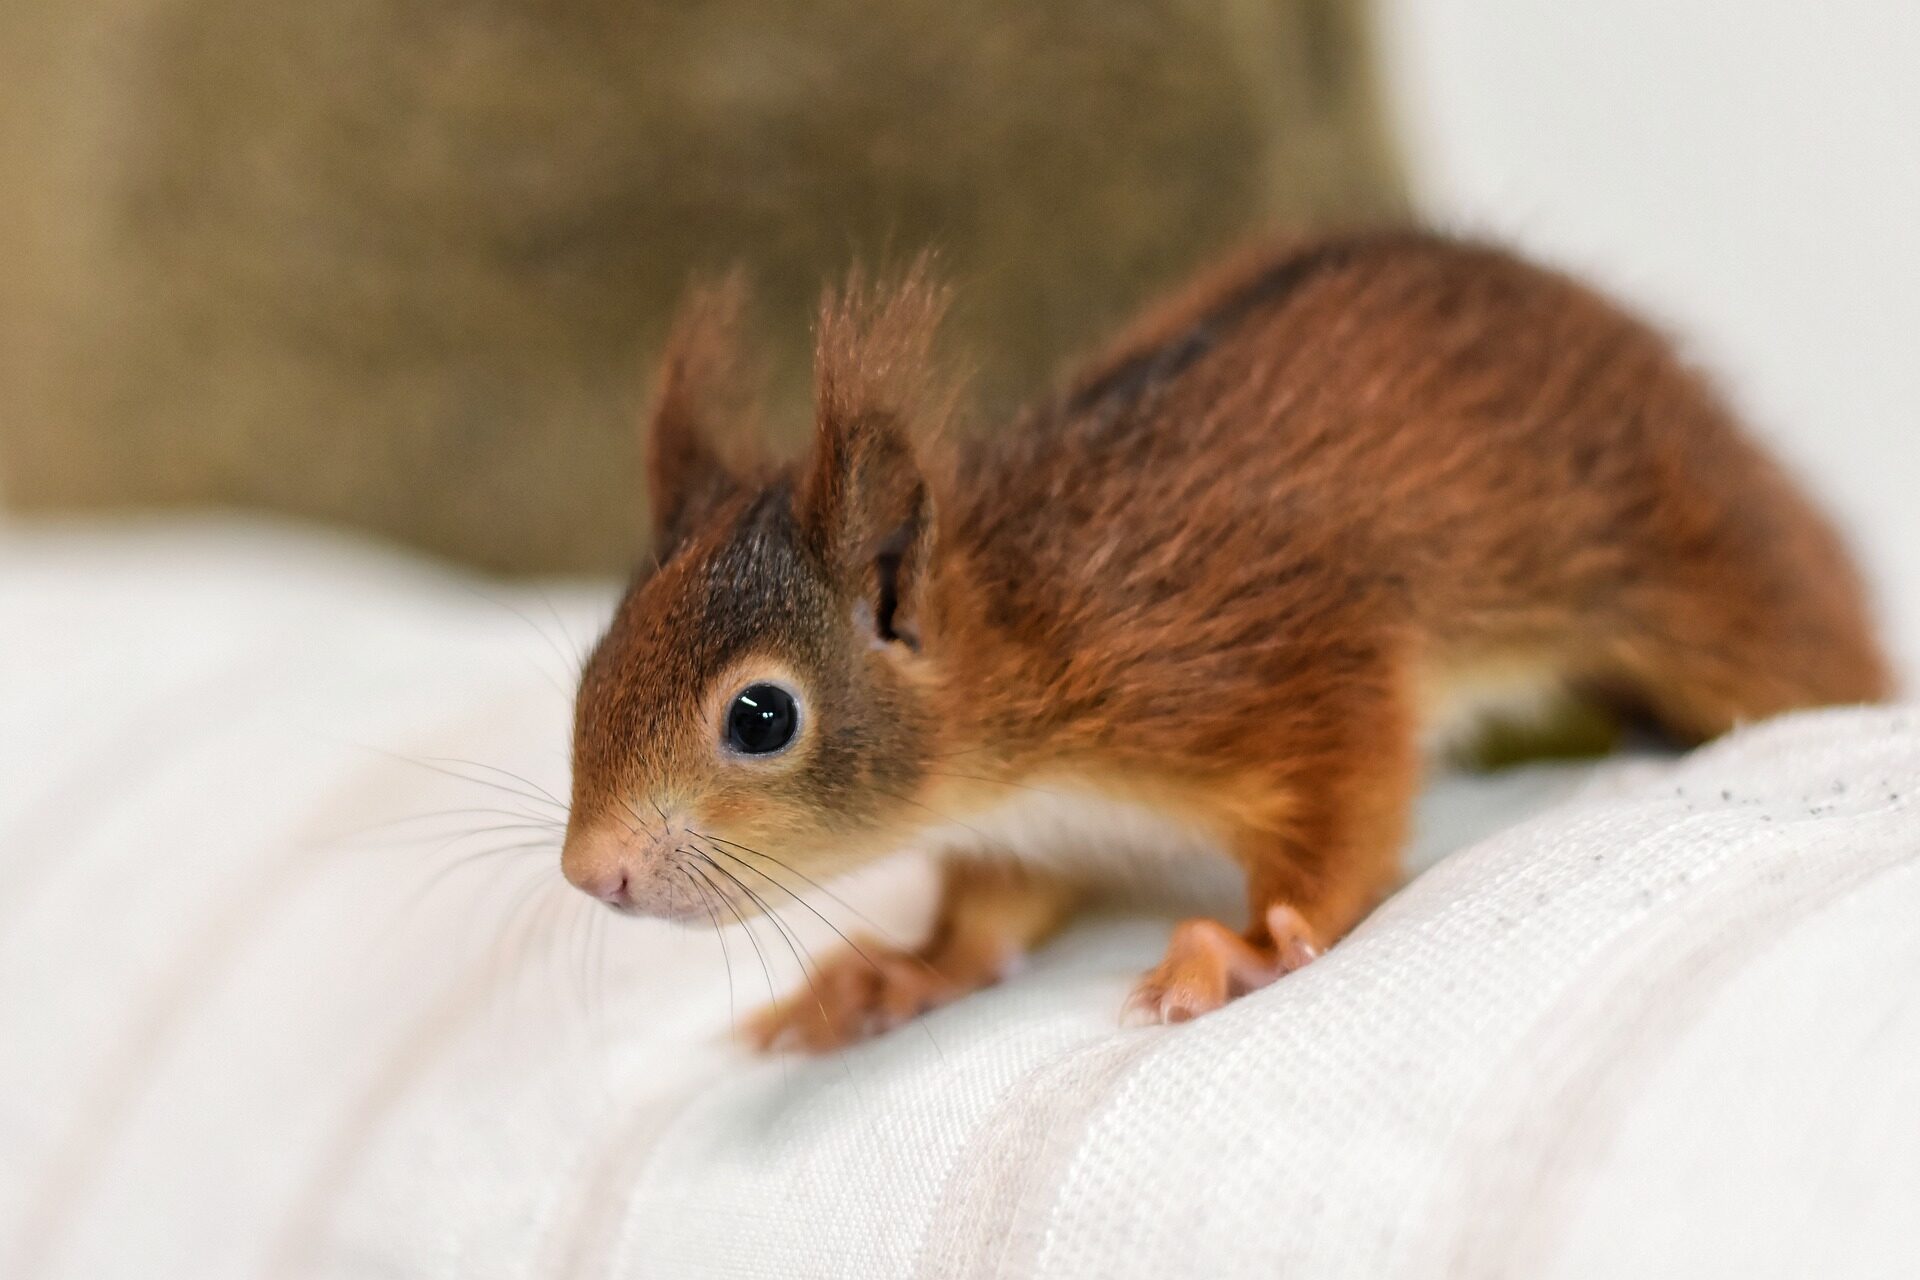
(1105,840)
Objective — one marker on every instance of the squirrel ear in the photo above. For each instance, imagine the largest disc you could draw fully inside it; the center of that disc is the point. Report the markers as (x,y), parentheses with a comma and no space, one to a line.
(863,500)
(704,397)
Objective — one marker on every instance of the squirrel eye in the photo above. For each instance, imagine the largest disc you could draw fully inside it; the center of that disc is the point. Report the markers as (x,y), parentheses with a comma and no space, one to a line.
(762,720)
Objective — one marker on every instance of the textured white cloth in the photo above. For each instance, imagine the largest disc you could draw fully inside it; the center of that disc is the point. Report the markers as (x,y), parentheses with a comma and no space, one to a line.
(1668,1026)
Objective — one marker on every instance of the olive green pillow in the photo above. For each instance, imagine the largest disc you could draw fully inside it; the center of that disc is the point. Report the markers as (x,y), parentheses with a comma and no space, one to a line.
(400,265)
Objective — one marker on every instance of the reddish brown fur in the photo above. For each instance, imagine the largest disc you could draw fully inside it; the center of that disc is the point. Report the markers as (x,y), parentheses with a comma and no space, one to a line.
(1226,565)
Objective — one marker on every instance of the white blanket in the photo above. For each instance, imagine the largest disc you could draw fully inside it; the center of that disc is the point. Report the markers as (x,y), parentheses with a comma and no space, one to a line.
(1668,1026)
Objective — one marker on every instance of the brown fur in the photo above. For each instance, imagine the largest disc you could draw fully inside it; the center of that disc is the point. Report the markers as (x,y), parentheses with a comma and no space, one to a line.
(1226,568)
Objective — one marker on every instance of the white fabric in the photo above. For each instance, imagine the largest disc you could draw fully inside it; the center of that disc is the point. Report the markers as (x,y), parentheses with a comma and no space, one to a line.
(1667,1027)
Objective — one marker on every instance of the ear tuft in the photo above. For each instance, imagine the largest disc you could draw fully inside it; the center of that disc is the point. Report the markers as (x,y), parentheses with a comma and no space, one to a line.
(704,414)
(874,350)
(864,499)
(876,395)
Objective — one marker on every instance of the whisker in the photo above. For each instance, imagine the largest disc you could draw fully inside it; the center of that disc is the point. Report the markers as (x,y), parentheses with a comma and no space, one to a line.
(387,920)
(551,842)
(858,950)
(510,953)
(481,809)
(895,795)
(752,937)
(428,763)
(631,829)
(533,928)
(391,824)
(442,873)
(863,918)
(725,955)
(579,654)
(773,1000)
(554,936)
(580,932)
(537,629)
(787,935)
(600,977)
(545,794)
(638,816)
(497,828)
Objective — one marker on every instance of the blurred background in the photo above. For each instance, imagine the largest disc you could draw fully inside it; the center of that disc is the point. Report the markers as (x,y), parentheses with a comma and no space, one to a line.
(399,268)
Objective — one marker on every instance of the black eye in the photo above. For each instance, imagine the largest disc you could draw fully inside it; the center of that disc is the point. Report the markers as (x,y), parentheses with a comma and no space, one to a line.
(762,719)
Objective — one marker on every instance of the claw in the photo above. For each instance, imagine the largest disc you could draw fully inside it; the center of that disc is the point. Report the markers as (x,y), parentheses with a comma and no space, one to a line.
(1208,964)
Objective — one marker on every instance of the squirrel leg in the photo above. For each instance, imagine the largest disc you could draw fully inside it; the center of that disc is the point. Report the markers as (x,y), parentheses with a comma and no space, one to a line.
(1326,855)
(991,914)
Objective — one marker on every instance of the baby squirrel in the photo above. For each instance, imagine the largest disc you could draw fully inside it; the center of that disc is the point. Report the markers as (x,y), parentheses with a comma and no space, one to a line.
(1213,594)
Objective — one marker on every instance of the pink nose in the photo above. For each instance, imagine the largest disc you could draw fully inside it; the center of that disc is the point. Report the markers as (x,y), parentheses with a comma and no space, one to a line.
(596,862)
(608,886)
(634,871)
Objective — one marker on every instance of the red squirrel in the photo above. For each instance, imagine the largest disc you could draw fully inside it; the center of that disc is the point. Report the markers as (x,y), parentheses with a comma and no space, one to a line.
(1212,594)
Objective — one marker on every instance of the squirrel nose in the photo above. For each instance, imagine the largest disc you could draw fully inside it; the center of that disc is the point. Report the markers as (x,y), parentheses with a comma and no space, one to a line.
(609,886)
(597,866)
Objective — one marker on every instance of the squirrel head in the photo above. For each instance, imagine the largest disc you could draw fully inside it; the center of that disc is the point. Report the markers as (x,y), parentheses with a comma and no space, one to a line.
(761,700)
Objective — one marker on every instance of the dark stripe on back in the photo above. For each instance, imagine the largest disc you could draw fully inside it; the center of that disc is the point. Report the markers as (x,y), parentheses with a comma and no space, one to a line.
(1132,378)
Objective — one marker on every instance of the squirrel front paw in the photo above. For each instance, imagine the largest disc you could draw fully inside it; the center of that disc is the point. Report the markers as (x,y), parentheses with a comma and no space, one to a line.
(852,995)
(1208,964)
